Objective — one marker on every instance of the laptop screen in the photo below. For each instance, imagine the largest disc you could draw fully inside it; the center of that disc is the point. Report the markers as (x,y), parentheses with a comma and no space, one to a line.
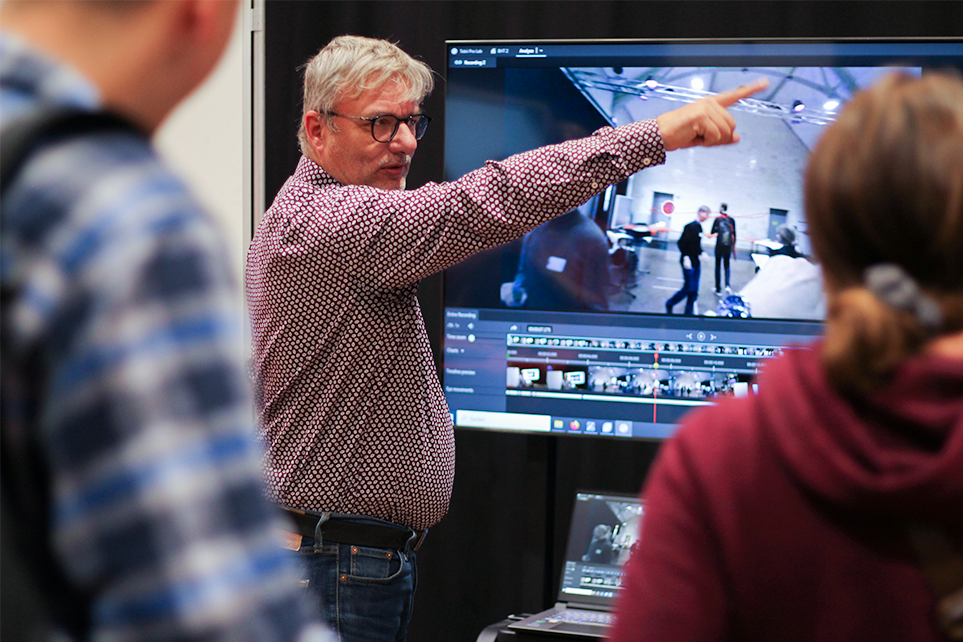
(603,530)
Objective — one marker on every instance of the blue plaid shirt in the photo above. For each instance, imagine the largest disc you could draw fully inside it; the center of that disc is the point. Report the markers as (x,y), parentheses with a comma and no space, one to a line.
(122,354)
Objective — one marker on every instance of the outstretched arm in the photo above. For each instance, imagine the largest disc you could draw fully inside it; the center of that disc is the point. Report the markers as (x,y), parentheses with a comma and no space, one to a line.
(705,122)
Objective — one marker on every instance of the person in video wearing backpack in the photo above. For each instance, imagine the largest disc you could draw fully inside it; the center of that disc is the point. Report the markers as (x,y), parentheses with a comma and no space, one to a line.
(724,229)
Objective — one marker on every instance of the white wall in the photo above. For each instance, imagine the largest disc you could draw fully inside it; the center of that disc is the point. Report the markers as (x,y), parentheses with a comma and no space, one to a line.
(204,139)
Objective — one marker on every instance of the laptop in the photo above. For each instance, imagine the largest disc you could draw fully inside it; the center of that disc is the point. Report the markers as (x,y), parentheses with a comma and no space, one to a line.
(604,527)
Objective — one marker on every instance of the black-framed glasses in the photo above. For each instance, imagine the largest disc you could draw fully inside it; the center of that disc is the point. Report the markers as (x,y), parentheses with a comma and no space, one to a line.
(385,127)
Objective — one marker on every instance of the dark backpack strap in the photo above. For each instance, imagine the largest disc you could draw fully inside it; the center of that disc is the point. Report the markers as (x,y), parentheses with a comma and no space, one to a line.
(50,122)
(37,597)
(942,562)
(25,613)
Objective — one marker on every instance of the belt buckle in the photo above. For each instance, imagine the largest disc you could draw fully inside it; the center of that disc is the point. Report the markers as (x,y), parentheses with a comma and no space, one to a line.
(416,537)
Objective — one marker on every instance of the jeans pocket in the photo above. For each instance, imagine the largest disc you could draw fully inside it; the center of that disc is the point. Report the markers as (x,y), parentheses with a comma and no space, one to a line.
(373,565)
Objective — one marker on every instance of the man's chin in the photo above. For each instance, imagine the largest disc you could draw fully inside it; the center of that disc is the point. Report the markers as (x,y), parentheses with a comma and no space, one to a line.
(394,177)
(391,183)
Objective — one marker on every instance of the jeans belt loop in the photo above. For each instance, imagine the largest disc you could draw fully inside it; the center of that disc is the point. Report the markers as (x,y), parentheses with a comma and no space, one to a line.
(414,542)
(318,539)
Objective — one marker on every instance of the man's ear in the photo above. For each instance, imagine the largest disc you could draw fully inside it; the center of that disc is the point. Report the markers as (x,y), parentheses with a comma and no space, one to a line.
(316,129)
(208,19)
(195,33)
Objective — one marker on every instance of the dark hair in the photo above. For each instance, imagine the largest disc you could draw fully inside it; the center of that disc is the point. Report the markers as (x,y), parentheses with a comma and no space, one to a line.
(884,184)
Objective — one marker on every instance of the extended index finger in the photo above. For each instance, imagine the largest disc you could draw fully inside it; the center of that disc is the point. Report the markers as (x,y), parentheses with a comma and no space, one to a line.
(730,97)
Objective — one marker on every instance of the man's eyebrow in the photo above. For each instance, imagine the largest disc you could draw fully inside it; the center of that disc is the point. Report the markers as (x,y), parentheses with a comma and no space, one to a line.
(420,112)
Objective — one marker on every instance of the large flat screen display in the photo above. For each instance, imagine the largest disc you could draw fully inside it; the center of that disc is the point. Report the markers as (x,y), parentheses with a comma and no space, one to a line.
(567,330)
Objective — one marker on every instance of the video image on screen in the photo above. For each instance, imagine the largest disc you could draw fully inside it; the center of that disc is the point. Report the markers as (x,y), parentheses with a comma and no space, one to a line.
(673,287)
(604,529)
(620,251)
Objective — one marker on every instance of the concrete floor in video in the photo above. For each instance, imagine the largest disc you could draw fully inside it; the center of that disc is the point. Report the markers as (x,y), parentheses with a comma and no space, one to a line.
(659,276)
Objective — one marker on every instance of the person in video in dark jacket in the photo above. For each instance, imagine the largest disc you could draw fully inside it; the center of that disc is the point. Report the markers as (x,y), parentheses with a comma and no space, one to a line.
(690,245)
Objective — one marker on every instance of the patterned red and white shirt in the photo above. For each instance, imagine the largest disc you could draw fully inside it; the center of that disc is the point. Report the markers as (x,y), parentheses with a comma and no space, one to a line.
(351,411)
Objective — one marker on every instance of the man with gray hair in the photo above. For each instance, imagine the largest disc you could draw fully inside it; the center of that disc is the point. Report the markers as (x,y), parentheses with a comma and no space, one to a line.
(359,437)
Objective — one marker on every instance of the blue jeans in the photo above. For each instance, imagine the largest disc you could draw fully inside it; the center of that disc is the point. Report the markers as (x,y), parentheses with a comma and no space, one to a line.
(689,291)
(366,593)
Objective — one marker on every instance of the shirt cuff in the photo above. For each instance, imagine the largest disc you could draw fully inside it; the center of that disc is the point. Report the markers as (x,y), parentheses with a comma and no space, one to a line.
(642,145)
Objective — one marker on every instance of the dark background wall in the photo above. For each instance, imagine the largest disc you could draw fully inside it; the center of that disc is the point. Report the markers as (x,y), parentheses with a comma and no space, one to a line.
(498,550)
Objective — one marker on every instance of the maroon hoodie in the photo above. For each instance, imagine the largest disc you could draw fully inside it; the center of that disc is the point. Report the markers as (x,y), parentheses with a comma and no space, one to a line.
(781,516)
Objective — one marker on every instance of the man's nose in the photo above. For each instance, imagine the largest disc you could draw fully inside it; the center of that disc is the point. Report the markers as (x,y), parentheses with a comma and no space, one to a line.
(404,140)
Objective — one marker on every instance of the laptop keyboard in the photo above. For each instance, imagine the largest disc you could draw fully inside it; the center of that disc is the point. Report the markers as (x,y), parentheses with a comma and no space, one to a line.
(583,617)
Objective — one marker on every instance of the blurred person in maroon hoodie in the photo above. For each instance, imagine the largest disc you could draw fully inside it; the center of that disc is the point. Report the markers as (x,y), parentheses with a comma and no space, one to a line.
(789,515)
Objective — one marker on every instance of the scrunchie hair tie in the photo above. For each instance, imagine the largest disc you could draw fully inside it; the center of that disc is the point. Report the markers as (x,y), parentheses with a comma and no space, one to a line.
(894,286)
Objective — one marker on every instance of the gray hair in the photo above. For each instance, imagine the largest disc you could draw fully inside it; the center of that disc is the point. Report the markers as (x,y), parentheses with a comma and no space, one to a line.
(349,65)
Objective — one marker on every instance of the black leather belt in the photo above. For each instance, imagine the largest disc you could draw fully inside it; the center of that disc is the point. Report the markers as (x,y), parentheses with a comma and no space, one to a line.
(340,529)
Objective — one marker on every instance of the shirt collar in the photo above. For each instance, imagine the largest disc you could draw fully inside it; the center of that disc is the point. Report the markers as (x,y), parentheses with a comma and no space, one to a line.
(310,172)
(28,75)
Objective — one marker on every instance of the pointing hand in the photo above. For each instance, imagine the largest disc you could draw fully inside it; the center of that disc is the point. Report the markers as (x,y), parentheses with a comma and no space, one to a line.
(705,122)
